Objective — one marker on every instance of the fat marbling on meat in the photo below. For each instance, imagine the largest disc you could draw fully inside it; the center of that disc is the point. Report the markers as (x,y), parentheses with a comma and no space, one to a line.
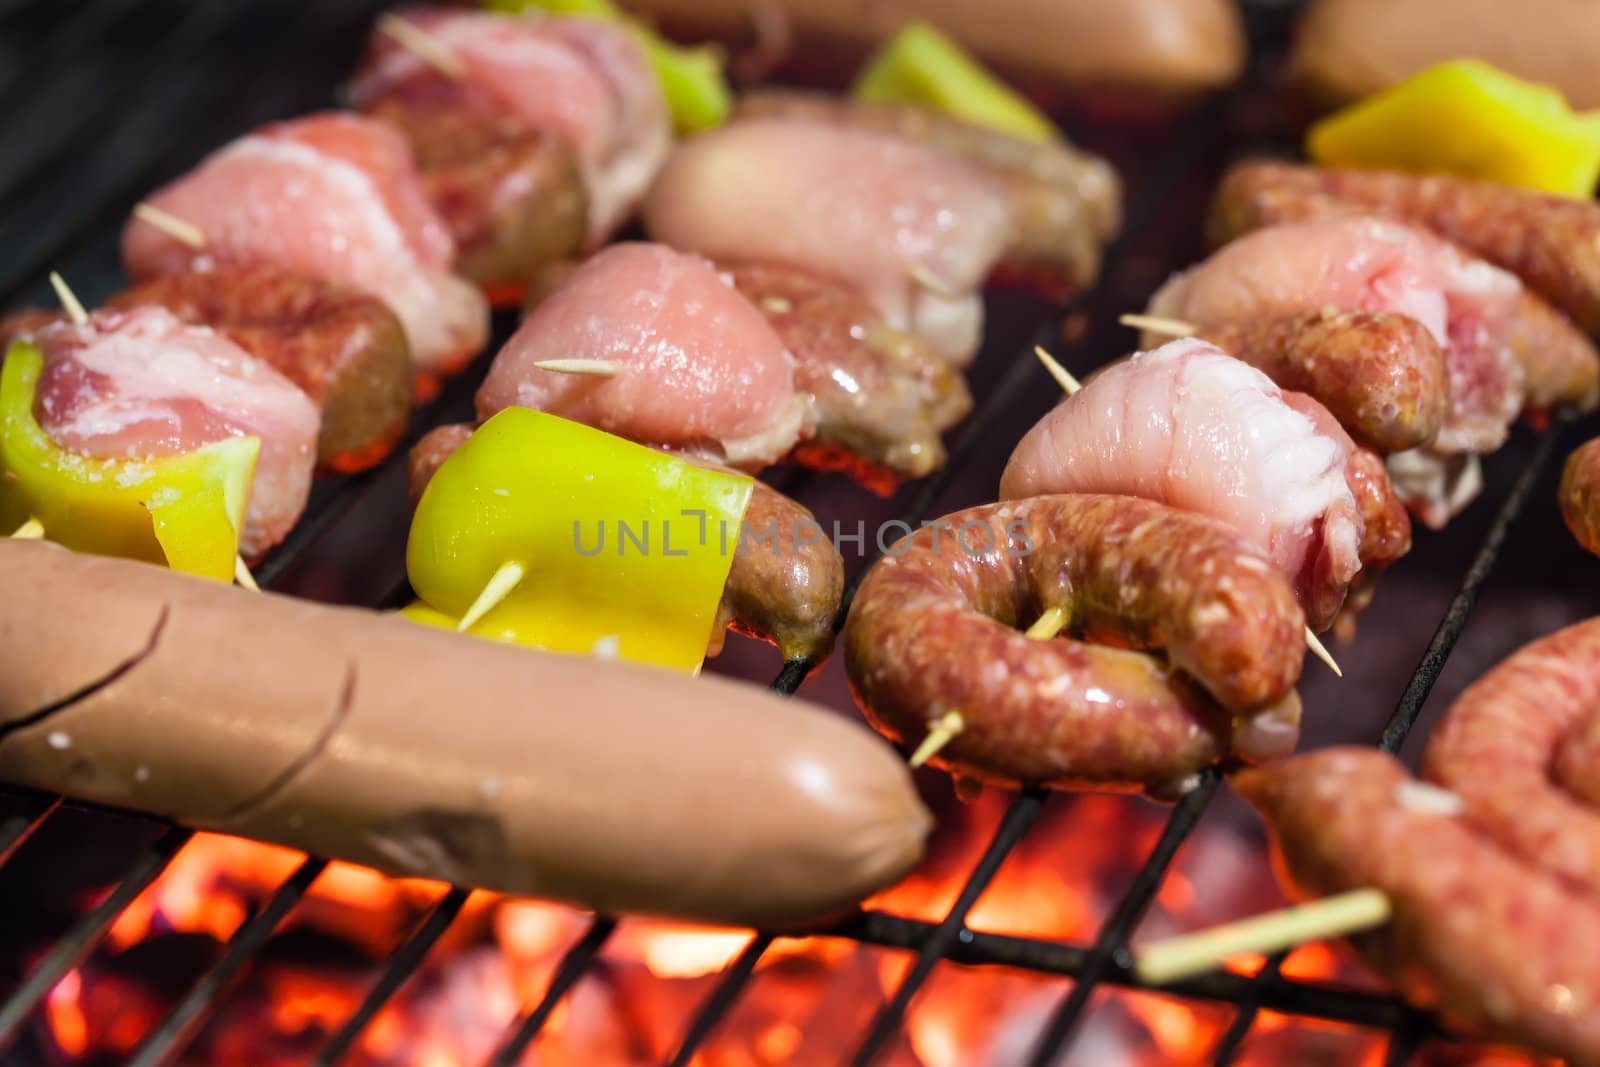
(332,196)
(582,79)
(140,384)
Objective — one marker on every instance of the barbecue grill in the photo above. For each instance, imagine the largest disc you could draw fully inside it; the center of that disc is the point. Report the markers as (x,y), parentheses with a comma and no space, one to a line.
(109,97)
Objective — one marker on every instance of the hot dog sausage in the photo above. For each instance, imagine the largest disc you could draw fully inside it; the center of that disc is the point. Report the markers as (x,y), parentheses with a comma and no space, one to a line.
(424,753)
(1497,743)
(1580,494)
(934,629)
(344,348)
(1498,947)
(1381,374)
(513,199)
(1154,50)
(1551,242)
(785,581)
(1065,203)
(882,396)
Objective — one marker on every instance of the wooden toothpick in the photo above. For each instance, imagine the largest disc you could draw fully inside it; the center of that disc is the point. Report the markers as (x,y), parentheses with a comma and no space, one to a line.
(181,230)
(1191,954)
(941,732)
(69,300)
(32,530)
(242,575)
(424,45)
(1319,650)
(1070,385)
(499,586)
(1048,624)
(925,278)
(595,368)
(1157,324)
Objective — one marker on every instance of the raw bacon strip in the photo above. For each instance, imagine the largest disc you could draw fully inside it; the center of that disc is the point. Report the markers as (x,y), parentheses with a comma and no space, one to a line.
(914,230)
(140,384)
(581,79)
(699,369)
(1190,426)
(331,196)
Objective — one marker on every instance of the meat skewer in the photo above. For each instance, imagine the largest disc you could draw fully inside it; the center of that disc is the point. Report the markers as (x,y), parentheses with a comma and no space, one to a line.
(1049,624)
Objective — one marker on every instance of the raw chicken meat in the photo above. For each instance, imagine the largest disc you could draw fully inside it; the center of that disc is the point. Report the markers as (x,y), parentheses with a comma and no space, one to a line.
(1190,426)
(699,368)
(914,230)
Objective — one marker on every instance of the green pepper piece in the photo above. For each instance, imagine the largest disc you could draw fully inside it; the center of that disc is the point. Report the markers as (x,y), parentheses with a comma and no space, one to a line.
(691,78)
(922,66)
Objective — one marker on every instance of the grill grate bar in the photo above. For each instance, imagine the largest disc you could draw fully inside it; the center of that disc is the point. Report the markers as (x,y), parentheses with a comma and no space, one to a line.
(19,825)
(1307,999)
(732,983)
(1019,816)
(1110,944)
(399,966)
(85,934)
(1427,673)
(175,1031)
(572,967)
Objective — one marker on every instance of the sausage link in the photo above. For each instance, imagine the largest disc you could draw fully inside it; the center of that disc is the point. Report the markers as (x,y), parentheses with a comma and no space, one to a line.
(1580,494)
(1497,743)
(346,349)
(427,754)
(1551,242)
(1066,203)
(934,628)
(882,396)
(784,584)
(1382,375)
(514,200)
(1500,949)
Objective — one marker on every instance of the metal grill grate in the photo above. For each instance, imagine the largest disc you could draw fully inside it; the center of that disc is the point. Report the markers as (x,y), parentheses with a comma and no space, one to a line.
(188,91)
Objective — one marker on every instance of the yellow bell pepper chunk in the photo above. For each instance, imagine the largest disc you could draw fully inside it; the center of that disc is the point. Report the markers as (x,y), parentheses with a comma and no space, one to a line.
(1466,117)
(185,511)
(625,549)
(922,66)
(691,78)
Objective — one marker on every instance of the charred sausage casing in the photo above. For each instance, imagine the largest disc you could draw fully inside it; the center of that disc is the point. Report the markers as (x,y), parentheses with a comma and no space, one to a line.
(428,754)
(935,628)
(1499,948)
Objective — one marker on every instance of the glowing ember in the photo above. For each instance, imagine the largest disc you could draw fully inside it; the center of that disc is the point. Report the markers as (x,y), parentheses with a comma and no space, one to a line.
(808,1003)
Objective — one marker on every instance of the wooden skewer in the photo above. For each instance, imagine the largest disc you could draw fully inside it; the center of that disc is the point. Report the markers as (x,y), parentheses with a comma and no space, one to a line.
(946,728)
(1191,954)
(1071,385)
(596,368)
(1063,377)
(1048,625)
(32,530)
(930,281)
(499,586)
(69,300)
(181,230)
(1156,324)
(941,732)
(242,575)
(424,45)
